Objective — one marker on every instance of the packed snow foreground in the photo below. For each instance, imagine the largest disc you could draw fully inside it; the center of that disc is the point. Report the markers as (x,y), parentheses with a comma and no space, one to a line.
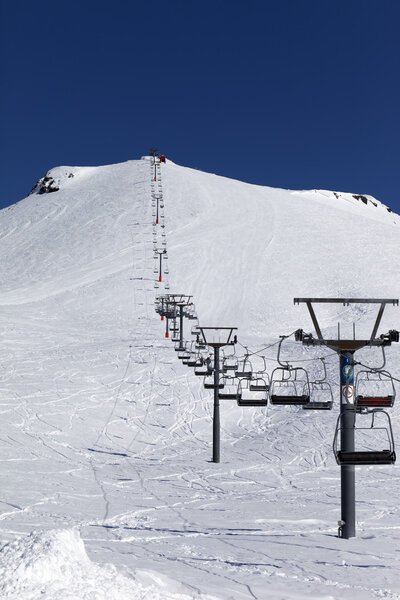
(107,489)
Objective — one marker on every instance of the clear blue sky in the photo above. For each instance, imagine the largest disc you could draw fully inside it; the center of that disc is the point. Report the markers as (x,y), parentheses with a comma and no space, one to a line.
(289,93)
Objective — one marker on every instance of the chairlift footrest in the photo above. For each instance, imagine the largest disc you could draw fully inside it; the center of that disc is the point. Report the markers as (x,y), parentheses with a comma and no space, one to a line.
(289,400)
(381,457)
(318,405)
(254,403)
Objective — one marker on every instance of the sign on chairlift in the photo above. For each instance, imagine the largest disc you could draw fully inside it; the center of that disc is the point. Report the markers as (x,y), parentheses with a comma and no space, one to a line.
(348,394)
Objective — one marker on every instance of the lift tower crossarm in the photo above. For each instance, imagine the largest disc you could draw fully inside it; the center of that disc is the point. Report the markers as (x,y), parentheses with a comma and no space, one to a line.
(383,340)
(346,301)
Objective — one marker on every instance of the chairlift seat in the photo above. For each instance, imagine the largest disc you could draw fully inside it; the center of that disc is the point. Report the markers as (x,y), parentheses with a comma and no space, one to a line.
(367,457)
(212,386)
(228,395)
(279,400)
(374,401)
(252,402)
(202,371)
(318,405)
(244,374)
(262,387)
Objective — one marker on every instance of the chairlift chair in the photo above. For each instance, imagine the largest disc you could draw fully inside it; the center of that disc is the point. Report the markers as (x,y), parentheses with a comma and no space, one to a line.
(289,386)
(185,358)
(230,363)
(202,368)
(321,395)
(230,389)
(374,389)
(244,370)
(259,384)
(248,397)
(192,360)
(364,455)
(209,383)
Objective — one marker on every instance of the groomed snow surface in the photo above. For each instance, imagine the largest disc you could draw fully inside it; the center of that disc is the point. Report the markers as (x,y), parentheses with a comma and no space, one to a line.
(107,489)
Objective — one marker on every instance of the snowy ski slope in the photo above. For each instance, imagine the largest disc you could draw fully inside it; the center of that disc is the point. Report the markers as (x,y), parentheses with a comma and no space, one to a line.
(106,486)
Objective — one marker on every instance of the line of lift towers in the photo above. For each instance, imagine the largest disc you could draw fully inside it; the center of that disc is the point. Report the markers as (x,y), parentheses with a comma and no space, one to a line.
(231,377)
(366,396)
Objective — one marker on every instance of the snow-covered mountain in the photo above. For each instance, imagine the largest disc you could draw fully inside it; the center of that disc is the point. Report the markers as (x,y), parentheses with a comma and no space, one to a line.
(105,435)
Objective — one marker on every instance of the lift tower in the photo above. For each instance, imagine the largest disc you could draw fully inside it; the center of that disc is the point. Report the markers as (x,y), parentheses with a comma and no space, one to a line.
(346,349)
(216,338)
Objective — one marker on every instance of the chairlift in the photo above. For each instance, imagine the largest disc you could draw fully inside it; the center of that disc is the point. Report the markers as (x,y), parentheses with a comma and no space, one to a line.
(365,437)
(321,395)
(244,370)
(185,358)
(202,368)
(201,345)
(374,389)
(246,396)
(230,363)
(209,382)
(230,389)
(192,362)
(289,386)
(259,384)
